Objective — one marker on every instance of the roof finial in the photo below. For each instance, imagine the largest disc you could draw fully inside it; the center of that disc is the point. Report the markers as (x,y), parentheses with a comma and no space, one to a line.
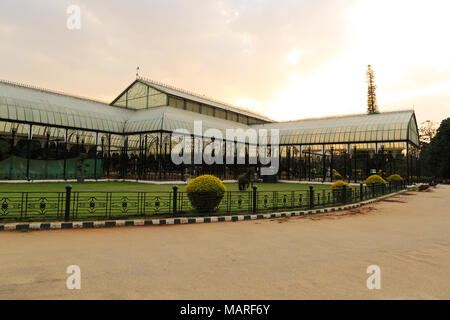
(137,72)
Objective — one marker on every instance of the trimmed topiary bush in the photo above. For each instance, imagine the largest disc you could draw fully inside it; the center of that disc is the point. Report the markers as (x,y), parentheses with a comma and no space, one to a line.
(338,191)
(338,185)
(205,193)
(395,179)
(375,179)
(245,179)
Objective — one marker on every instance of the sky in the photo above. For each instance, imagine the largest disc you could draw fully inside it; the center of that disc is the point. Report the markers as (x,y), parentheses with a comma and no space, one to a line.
(289,59)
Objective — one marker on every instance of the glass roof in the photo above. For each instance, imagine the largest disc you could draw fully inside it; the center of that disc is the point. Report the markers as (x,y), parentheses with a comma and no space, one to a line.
(386,126)
(170,119)
(200,98)
(32,105)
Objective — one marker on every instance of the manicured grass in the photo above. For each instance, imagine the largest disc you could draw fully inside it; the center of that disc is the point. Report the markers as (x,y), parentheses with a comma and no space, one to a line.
(140,187)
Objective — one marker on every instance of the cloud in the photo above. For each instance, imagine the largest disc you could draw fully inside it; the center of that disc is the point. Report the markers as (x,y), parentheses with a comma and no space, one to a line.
(291,59)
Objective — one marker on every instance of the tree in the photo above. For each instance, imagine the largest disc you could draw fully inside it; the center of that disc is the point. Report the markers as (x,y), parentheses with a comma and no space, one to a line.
(435,156)
(372,106)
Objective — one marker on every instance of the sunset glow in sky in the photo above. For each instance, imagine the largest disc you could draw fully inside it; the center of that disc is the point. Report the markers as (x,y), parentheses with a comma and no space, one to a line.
(286,59)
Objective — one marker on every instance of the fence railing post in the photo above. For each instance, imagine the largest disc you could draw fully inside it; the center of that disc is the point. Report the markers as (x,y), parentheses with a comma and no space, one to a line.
(311,197)
(175,196)
(361,192)
(344,194)
(67,212)
(255,202)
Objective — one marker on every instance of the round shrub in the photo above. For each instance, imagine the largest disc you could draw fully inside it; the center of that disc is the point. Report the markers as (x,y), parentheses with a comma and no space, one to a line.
(395,179)
(375,179)
(338,185)
(205,193)
(338,191)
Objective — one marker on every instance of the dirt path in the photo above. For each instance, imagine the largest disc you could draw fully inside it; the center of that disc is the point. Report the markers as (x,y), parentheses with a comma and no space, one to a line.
(317,257)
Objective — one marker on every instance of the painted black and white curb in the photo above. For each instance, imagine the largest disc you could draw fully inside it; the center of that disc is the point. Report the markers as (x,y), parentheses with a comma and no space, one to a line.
(148,222)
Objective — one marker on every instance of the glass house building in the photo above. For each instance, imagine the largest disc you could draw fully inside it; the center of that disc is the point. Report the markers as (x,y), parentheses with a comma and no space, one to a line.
(44,134)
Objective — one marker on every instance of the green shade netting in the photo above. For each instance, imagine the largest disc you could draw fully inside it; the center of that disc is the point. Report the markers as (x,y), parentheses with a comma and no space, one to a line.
(15,168)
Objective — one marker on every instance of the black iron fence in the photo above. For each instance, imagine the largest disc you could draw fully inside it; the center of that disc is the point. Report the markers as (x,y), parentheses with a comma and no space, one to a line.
(92,205)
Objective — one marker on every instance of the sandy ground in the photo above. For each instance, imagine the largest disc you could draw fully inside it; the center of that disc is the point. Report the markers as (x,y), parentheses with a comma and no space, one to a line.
(317,257)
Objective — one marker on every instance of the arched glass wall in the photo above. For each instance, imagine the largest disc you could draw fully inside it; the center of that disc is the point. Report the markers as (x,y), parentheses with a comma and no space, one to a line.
(45,135)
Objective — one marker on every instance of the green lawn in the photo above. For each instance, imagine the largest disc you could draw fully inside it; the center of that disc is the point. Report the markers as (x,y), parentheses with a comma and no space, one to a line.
(140,187)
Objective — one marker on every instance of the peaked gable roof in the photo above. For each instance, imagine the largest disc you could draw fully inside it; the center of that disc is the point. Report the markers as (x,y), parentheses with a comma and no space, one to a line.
(177,92)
